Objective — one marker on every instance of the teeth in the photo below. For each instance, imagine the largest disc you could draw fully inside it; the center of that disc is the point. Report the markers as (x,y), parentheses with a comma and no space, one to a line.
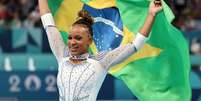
(74,47)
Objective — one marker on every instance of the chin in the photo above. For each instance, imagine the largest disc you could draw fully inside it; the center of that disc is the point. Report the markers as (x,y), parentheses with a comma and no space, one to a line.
(74,53)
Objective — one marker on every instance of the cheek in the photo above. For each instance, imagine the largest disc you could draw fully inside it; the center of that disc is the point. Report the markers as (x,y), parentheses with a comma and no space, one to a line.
(83,44)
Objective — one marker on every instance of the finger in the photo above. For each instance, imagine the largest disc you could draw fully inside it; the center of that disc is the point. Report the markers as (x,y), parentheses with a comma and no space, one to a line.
(160,8)
(157,3)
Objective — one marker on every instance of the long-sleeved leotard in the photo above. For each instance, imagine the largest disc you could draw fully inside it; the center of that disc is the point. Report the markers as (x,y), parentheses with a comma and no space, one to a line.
(81,82)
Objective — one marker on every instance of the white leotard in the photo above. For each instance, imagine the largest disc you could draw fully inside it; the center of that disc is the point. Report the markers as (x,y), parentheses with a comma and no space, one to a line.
(81,82)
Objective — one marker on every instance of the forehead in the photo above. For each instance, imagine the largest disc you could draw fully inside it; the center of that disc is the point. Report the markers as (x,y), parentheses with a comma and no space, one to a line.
(78,29)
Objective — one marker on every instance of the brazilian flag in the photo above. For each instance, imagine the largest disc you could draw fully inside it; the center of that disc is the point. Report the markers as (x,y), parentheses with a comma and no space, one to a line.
(157,72)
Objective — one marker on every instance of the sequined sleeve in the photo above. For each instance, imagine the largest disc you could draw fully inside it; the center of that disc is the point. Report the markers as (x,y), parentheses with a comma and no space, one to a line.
(56,42)
(118,55)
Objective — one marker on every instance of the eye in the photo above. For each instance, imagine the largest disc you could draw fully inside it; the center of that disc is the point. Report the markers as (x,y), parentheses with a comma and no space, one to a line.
(69,37)
(78,37)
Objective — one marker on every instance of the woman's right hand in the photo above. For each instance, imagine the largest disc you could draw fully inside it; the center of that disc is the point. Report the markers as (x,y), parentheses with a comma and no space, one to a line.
(155,7)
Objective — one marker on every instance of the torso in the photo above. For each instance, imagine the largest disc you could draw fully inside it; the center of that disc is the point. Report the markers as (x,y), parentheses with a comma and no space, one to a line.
(80,82)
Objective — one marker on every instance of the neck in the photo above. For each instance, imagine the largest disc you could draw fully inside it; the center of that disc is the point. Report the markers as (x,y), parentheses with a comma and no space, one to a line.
(81,57)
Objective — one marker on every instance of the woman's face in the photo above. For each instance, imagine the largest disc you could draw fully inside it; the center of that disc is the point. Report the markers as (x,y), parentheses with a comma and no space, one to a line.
(79,40)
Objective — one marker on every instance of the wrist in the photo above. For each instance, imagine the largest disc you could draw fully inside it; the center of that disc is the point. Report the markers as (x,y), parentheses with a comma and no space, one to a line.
(47,20)
(151,14)
(139,41)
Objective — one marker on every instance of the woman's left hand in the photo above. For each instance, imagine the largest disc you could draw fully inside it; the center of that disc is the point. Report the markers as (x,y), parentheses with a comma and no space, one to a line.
(155,7)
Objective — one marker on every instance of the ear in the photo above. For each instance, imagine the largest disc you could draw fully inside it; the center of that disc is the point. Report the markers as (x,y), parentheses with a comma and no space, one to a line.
(90,41)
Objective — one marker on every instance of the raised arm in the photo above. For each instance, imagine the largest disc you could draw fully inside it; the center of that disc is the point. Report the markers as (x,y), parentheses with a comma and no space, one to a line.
(108,59)
(154,7)
(54,37)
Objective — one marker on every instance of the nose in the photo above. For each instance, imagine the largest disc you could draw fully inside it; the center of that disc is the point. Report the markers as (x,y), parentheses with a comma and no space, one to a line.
(73,42)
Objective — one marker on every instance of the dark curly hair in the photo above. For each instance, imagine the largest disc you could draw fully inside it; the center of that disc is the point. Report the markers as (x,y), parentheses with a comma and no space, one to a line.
(84,18)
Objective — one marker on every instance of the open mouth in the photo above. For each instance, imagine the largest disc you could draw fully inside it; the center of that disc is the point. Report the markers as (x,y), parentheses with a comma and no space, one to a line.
(74,48)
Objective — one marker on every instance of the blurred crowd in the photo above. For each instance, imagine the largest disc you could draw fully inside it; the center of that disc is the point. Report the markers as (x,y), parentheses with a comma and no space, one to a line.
(188,14)
(19,13)
(25,14)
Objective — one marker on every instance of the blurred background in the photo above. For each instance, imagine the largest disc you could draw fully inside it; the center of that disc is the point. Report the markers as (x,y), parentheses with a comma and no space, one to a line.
(28,69)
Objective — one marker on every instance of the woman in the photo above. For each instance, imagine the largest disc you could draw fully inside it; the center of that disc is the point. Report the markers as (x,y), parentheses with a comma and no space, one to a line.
(80,75)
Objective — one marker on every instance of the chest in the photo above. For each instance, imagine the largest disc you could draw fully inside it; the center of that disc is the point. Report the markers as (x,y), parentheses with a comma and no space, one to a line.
(77,74)
(85,74)
(80,80)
